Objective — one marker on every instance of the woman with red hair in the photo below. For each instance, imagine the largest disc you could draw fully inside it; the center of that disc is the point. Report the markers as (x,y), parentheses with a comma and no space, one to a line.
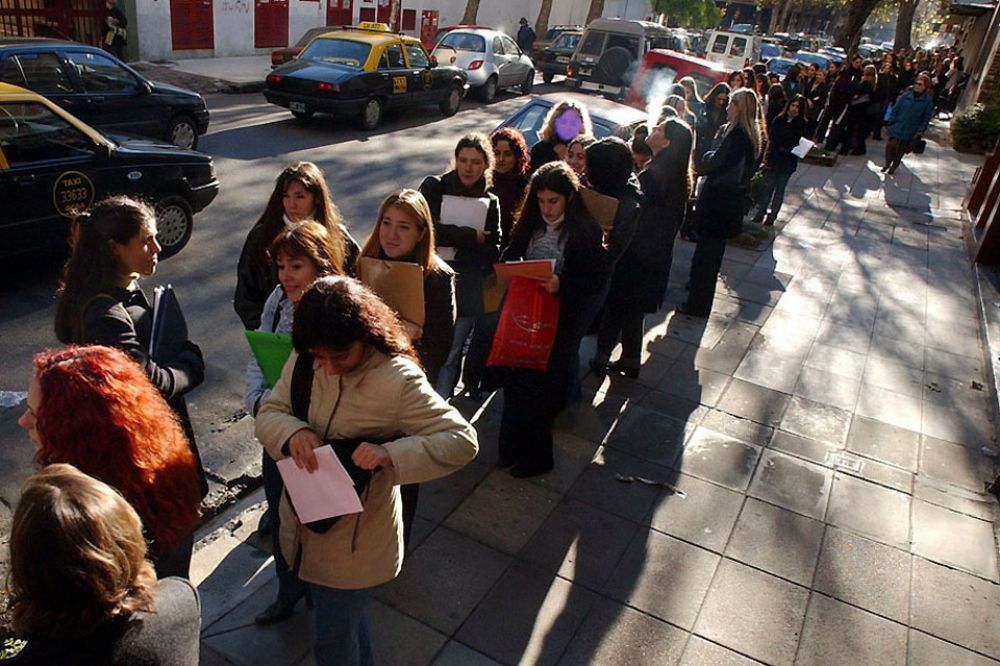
(94,408)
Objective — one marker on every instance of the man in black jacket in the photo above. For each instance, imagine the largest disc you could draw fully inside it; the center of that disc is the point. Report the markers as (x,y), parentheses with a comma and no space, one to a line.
(115,24)
(525,36)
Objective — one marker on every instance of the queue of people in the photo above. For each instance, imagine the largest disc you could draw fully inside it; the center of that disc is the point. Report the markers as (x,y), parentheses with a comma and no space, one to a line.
(366,380)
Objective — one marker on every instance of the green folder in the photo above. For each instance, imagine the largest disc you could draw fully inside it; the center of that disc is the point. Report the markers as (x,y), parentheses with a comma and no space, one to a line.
(271,351)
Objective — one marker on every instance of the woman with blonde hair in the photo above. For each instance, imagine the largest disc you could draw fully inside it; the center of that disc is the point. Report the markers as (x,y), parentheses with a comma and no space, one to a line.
(300,193)
(95,600)
(720,205)
(564,122)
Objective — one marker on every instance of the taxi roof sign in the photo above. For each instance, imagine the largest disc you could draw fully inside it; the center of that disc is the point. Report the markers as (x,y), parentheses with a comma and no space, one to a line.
(374,26)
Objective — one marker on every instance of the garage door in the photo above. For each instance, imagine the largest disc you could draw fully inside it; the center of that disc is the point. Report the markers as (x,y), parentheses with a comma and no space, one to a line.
(191,24)
(270,23)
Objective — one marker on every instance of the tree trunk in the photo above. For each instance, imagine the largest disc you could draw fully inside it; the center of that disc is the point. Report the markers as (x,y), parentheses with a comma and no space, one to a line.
(776,10)
(471,12)
(394,15)
(849,34)
(542,24)
(596,11)
(785,13)
(904,23)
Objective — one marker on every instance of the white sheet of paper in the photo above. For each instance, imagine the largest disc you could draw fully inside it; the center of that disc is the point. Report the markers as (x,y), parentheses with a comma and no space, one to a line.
(325,493)
(801,150)
(462,212)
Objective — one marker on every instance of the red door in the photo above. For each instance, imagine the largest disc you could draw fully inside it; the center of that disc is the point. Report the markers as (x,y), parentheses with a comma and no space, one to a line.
(338,12)
(270,23)
(428,27)
(191,24)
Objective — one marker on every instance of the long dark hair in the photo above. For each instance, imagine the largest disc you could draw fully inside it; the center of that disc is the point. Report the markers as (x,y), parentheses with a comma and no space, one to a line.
(718,89)
(338,311)
(481,142)
(671,168)
(802,106)
(272,219)
(555,177)
(93,265)
(609,166)
(515,139)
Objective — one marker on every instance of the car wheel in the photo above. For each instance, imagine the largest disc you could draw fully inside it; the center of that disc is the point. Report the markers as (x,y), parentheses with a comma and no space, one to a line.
(529,83)
(303,115)
(548,76)
(183,132)
(449,105)
(174,223)
(613,65)
(488,92)
(371,114)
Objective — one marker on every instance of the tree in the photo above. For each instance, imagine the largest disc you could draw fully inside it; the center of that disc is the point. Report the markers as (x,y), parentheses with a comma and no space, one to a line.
(542,24)
(849,34)
(394,15)
(904,23)
(685,12)
(471,12)
(596,10)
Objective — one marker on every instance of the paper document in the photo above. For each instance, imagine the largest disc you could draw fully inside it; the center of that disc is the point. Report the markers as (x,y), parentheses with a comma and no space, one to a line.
(462,212)
(400,284)
(801,150)
(602,207)
(271,350)
(539,269)
(326,493)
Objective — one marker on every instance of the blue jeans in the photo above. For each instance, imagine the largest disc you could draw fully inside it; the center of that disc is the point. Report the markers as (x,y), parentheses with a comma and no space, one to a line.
(343,637)
(452,369)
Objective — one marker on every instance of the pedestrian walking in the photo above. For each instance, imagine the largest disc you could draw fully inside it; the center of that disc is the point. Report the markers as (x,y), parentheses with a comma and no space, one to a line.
(115,29)
(783,134)
(94,408)
(525,37)
(300,193)
(98,600)
(470,253)
(910,116)
(353,381)
(722,199)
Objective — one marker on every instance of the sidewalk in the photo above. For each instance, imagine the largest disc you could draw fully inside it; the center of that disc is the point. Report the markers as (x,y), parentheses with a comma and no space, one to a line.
(820,440)
(236,74)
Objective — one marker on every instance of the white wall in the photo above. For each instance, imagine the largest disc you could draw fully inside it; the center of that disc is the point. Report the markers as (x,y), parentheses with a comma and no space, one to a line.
(233,27)
(153,18)
(304,15)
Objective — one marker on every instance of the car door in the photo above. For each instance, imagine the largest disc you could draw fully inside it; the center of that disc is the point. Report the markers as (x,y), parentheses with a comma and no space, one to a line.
(519,68)
(395,75)
(421,77)
(46,177)
(46,73)
(116,99)
(501,62)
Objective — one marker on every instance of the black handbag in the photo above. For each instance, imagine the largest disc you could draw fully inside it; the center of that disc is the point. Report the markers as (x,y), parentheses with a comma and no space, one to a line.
(919,146)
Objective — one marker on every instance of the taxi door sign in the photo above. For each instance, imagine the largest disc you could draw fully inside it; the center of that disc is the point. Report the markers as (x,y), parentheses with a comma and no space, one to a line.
(398,85)
(427,79)
(73,192)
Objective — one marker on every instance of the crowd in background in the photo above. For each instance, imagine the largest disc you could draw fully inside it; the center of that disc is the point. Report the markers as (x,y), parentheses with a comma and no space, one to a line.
(376,387)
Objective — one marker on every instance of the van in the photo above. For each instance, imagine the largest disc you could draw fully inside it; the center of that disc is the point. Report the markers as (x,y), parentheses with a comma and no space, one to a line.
(733,50)
(609,53)
(661,69)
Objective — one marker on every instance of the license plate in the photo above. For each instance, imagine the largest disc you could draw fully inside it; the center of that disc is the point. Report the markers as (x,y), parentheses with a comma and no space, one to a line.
(297,106)
(586,71)
(562,58)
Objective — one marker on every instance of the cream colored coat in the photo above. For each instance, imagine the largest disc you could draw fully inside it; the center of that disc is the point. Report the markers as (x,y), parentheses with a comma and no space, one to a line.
(382,397)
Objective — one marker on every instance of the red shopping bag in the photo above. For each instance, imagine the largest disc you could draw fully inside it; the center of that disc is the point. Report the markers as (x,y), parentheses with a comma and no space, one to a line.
(527,328)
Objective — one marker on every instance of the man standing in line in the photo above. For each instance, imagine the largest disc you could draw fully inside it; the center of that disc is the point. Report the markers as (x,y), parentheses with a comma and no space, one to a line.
(525,37)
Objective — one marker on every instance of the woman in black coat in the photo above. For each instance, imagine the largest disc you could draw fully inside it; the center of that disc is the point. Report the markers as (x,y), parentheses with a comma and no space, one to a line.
(643,269)
(783,133)
(720,205)
(554,224)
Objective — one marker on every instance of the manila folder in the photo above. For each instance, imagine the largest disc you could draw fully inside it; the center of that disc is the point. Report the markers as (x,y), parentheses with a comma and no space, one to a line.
(400,284)
(602,207)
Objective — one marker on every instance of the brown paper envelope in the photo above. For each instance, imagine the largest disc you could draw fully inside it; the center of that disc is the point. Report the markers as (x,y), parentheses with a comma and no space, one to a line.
(400,284)
(602,207)
(539,269)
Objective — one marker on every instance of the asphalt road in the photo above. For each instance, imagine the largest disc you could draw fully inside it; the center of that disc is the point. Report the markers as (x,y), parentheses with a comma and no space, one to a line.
(251,142)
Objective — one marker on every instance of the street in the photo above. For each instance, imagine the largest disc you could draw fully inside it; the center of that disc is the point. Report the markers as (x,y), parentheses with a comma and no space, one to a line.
(251,142)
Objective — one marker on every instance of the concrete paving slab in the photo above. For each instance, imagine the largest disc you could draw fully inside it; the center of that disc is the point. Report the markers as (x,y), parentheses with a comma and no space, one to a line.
(864,573)
(889,407)
(400,639)
(650,435)
(701,513)
(803,447)
(530,616)
(954,539)
(572,456)
(827,387)
(440,498)
(700,652)
(614,634)
(719,458)
(443,602)
(664,577)
(956,607)
(836,634)
(581,543)
(958,465)
(753,612)
(754,402)
(874,471)
(592,417)
(794,484)
(816,420)
(943,422)
(977,505)
(963,368)
(777,541)
(598,486)
(770,369)
(503,512)
(457,654)
(926,650)
(885,442)
(869,509)
(691,413)
(697,385)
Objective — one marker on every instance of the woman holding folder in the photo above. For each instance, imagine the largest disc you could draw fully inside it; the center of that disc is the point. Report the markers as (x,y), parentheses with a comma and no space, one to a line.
(467,232)
(100,301)
(302,254)
(554,224)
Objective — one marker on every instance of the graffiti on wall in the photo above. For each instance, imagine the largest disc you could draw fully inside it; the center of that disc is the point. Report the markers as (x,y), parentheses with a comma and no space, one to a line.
(236,6)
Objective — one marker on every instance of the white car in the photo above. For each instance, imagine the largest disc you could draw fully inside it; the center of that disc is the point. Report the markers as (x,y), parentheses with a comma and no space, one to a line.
(492,60)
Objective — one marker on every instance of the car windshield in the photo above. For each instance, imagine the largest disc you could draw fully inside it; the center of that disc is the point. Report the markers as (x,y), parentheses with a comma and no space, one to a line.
(464,41)
(310,34)
(566,41)
(780,66)
(530,120)
(338,51)
(593,42)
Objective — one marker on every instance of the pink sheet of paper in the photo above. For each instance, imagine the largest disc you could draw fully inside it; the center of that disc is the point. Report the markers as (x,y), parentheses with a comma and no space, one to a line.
(325,493)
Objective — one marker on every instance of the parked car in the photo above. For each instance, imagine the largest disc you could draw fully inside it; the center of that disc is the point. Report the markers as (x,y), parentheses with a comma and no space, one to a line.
(441,32)
(281,56)
(609,118)
(609,54)
(733,50)
(887,46)
(769,48)
(833,54)
(362,72)
(551,36)
(820,60)
(52,165)
(779,66)
(491,59)
(554,59)
(660,69)
(742,28)
(102,91)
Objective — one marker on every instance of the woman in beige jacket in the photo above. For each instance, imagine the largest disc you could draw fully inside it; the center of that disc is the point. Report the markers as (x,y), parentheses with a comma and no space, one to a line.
(369,394)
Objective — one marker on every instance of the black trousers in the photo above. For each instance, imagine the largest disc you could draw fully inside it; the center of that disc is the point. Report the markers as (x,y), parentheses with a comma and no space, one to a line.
(705,267)
(624,321)
(772,195)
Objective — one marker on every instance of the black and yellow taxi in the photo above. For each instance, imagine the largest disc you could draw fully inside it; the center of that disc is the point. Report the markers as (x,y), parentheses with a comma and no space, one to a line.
(53,165)
(362,72)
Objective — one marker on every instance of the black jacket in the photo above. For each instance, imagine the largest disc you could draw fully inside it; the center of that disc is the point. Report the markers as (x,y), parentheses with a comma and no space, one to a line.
(472,260)
(255,280)
(439,322)
(816,96)
(542,152)
(783,137)
(721,204)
